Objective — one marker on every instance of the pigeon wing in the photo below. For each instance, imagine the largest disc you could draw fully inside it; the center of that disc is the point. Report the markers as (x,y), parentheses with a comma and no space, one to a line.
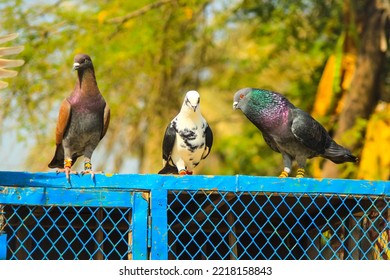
(209,141)
(308,131)
(106,120)
(270,141)
(168,142)
(63,120)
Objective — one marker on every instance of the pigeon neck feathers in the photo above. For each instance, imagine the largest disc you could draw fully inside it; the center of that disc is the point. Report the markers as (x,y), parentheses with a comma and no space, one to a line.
(267,109)
(86,94)
(191,105)
(86,83)
(268,100)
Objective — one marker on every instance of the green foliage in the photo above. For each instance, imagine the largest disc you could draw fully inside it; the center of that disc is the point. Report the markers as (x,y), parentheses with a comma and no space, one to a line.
(147,54)
(248,152)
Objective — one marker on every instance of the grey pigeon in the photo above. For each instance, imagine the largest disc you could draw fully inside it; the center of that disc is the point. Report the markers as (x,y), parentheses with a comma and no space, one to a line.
(188,138)
(9,63)
(289,130)
(82,121)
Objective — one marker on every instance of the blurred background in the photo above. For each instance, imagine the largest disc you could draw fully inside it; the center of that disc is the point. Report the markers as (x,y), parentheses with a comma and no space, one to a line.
(330,58)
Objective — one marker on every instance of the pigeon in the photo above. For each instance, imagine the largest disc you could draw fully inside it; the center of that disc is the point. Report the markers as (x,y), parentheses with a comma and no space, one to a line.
(8,63)
(188,138)
(83,120)
(289,130)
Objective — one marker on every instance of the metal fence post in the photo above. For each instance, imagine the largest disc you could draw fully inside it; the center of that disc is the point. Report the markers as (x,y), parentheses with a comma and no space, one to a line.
(139,234)
(3,246)
(3,235)
(159,206)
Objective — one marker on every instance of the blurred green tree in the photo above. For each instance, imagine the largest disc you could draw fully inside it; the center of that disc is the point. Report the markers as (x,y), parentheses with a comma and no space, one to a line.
(147,54)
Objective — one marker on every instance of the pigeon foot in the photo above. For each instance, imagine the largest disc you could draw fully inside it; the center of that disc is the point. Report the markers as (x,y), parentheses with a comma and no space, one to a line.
(189,172)
(300,173)
(67,172)
(90,171)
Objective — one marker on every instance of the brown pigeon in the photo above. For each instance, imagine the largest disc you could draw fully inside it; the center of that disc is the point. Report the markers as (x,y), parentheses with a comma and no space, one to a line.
(8,63)
(82,121)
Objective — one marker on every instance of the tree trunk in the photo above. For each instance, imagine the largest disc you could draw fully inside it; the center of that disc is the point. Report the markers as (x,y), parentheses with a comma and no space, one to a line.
(364,92)
(172,83)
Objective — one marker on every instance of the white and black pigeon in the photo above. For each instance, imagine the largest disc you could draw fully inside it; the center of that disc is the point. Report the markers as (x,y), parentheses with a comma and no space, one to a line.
(188,138)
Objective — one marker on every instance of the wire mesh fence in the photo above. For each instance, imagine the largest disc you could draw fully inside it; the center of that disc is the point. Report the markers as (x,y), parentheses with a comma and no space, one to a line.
(36,232)
(173,218)
(260,225)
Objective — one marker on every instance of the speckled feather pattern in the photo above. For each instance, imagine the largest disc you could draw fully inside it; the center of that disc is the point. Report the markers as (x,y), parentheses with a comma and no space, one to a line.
(188,138)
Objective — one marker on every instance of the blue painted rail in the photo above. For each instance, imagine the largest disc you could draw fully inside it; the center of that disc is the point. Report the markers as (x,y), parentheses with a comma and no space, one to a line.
(132,216)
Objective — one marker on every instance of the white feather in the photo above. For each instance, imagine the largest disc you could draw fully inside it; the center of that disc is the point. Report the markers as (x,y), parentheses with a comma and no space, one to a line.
(189,122)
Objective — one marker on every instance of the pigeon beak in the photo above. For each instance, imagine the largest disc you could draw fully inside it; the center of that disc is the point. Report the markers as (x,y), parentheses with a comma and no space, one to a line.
(76,66)
(194,107)
(235,105)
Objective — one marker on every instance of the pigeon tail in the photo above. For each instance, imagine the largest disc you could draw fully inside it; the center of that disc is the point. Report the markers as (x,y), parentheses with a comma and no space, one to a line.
(58,159)
(339,154)
(168,169)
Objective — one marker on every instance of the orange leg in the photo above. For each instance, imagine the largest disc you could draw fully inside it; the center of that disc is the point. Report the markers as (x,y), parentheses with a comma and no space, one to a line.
(182,172)
(66,169)
(88,169)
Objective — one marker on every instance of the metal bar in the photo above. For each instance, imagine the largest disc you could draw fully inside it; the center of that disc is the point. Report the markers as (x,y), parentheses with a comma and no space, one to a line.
(196,182)
(139,240)
(3,245)
(159,204)
(64,197)
(2,218)
(130,240)
(3,235)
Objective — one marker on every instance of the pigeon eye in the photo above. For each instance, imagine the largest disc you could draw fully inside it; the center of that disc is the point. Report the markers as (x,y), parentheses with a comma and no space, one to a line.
(241,96)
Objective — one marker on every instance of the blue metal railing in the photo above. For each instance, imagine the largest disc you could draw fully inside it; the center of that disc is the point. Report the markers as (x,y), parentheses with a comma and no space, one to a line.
(122,216)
